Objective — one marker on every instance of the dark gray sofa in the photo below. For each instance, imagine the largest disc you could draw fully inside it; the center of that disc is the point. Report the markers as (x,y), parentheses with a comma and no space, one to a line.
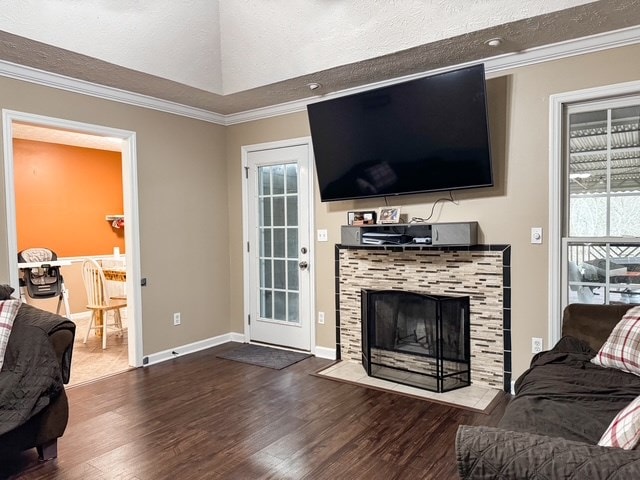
(563,405)
(33,404)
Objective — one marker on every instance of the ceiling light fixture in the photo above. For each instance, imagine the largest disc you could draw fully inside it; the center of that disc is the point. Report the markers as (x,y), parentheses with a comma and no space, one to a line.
(494,42)
(313,86)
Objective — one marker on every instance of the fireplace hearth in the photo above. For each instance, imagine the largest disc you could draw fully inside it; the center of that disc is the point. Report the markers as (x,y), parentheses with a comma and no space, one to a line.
(416,339)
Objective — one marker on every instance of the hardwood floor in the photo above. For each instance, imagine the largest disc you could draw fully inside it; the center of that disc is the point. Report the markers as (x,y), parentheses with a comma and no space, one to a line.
(202,417)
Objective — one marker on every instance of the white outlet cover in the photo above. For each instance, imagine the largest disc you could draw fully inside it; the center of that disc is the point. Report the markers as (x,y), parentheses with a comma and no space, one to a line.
(323,235)
(537,345)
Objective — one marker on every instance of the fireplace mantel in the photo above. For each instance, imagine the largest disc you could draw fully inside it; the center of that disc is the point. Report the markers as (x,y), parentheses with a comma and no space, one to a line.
(483,272)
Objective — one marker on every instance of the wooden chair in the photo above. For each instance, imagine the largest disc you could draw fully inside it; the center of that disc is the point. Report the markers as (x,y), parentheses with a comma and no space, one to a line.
(99,302)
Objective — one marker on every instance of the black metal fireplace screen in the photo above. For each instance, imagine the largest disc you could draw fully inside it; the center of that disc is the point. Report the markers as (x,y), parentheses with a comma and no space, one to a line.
(416,339)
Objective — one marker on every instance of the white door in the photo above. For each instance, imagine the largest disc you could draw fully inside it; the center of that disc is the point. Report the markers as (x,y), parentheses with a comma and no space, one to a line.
(278,246)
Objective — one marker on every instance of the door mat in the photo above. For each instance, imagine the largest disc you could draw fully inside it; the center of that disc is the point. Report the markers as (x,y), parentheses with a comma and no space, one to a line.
(263,356)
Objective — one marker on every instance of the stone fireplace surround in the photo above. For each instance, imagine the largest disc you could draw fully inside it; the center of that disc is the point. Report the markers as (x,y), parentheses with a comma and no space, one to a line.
(481,271)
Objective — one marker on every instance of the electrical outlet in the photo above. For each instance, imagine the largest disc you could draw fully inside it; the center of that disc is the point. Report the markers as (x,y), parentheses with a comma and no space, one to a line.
(536,345)
(176,318)
(321,318)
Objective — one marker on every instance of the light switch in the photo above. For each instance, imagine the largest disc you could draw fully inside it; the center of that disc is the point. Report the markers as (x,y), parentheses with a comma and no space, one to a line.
(323,236)
(536,235)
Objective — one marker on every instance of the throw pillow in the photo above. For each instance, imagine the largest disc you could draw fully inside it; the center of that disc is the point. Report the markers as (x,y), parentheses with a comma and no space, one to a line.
(624,430)
(622,348)
(8,312)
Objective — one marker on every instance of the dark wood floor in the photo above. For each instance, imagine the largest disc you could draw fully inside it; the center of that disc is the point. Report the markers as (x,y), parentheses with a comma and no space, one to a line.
(201,417)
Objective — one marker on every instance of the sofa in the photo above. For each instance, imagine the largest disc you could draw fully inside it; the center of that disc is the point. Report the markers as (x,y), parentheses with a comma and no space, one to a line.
(33,404)
(563,405)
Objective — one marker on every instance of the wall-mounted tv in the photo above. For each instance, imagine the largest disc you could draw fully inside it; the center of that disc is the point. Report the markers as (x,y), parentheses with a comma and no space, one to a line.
(424,135)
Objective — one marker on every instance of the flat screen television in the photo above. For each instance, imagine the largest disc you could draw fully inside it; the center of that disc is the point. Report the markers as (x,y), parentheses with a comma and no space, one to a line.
(424,135)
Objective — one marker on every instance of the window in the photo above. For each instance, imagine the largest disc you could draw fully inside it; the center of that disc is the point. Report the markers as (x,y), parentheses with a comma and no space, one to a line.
(601,240)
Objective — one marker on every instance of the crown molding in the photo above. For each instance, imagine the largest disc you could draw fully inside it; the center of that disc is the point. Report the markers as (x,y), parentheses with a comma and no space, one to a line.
(493,66)
(75,85)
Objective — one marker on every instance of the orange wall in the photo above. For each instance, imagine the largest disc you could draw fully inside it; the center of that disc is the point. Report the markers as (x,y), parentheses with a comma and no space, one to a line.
(62,196)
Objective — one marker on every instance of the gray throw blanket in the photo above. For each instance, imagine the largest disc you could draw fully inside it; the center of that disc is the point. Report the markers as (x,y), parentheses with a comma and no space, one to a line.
(488,453)
(31,376)
(551,428)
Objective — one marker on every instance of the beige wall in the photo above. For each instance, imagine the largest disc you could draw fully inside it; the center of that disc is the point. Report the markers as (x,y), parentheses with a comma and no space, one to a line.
(182,204)
(519,116)
(191,204)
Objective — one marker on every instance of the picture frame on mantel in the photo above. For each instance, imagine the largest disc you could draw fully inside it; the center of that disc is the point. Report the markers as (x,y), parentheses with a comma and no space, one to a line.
(389,215)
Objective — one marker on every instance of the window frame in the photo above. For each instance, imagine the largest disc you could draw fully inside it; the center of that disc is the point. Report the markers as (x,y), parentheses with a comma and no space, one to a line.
(588,99)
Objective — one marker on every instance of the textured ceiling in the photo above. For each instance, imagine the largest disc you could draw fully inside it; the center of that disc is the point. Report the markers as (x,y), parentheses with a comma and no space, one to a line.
(50,135)
(231,56)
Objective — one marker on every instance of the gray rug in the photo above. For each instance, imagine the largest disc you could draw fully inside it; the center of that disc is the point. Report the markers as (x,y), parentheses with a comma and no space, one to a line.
(263,356)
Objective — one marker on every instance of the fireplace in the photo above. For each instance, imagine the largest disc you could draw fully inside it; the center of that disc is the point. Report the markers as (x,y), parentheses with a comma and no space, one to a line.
(416,339)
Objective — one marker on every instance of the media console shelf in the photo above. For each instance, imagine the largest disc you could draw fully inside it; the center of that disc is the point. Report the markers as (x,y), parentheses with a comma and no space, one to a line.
(436,234)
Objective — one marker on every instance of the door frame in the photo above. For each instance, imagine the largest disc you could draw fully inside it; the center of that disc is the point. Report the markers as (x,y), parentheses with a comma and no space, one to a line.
(245,150)
(130,197)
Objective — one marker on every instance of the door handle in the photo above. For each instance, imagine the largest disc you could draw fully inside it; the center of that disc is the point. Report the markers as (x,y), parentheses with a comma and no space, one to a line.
(303,265)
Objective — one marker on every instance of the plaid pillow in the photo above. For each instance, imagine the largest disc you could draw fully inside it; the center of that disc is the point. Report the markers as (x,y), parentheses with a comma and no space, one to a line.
(622,348)
(624,430)
(8,312)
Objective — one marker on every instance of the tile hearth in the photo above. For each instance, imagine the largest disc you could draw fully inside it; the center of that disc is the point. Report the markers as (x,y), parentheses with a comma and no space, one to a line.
(473,397)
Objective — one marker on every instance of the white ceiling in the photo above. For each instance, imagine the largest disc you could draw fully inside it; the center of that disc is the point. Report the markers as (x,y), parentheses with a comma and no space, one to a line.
(37,133)
(229,56)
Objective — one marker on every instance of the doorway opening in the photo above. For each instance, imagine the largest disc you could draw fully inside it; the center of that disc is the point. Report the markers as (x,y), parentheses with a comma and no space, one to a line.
(112,156)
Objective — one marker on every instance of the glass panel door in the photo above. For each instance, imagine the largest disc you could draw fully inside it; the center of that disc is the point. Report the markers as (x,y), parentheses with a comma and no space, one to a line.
(278,257)
(278,252)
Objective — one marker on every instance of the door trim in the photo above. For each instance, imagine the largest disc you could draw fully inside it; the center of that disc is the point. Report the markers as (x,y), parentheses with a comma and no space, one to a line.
(130,194)
(245,150)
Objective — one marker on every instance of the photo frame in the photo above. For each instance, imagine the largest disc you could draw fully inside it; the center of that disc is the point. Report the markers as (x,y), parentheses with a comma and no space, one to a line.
(361,218)
(389,215)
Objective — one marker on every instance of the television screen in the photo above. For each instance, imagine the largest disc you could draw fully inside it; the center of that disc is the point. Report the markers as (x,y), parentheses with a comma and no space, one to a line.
(423,135)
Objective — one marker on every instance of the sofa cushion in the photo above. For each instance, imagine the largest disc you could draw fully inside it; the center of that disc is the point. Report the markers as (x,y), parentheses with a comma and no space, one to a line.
(624,430)
(8,312)
(5,292)
(592,323)
(622,348)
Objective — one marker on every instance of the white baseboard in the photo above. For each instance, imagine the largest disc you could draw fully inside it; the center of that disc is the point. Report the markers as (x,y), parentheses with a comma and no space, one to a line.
(165,355)
(158,357)
(238,337)
(324,352)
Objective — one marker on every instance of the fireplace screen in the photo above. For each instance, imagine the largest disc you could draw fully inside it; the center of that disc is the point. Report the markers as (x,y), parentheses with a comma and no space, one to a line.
(416,339)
